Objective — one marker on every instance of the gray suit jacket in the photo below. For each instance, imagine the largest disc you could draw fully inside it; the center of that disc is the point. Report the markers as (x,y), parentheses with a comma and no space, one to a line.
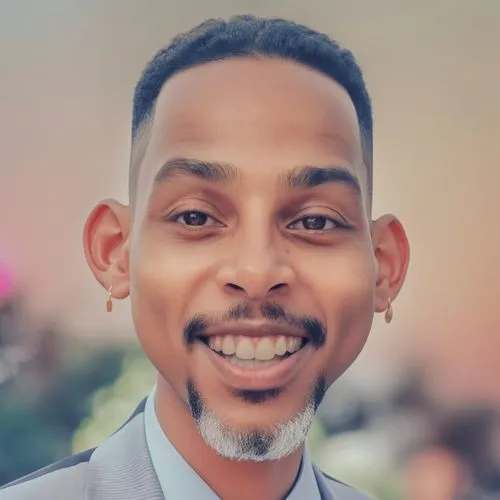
(120,469)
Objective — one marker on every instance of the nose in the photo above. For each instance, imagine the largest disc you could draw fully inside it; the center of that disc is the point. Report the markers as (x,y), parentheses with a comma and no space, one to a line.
(257,271)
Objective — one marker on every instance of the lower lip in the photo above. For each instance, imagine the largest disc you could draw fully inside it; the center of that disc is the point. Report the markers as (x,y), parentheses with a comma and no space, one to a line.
(269,377)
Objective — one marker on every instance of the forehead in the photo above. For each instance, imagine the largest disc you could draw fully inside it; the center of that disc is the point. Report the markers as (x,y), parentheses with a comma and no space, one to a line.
(261,115)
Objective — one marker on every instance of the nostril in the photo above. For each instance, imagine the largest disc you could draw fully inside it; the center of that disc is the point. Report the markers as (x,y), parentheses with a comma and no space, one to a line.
(234,287)
(277,287)
(255,291)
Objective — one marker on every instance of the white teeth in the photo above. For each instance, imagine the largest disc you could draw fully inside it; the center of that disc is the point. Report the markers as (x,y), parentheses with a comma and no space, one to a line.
(293,344)
(280,346)
(252,363)
(228,345)
(248,348)
(245,348)
(290,344)
(217,343)
(265,349)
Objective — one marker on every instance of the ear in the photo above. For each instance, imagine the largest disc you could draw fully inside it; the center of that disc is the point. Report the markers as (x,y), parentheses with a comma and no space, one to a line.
(392,252)
(106,245)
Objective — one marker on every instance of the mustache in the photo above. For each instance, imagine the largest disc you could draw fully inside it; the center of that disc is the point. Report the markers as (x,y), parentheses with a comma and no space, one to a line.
(311,326)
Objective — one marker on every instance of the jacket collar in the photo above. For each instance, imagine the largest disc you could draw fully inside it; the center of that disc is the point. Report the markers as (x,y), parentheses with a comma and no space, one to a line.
(120,468)
(324,490)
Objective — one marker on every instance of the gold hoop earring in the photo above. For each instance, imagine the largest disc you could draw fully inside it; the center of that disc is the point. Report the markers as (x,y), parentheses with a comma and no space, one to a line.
(389,312)
(109,302)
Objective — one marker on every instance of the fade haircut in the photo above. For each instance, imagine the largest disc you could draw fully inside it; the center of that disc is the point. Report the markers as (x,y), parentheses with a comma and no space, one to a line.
(248,36)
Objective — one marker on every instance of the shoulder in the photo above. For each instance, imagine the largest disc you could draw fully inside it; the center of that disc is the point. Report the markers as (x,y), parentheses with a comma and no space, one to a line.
(54,481)
(341,490)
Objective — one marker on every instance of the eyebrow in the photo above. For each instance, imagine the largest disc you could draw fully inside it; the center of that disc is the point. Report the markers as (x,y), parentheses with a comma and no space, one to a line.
(204,170)
(309,177)
(305,177)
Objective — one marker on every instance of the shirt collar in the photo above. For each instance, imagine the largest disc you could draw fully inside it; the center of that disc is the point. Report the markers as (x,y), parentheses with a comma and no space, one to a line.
(179,480)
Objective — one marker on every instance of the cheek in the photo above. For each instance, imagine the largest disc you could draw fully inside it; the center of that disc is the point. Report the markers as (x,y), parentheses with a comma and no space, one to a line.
(163,281)
(165,273)
(343,280)
(347,301)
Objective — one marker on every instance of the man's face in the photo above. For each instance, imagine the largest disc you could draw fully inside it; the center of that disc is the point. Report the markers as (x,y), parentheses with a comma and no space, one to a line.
(243,248)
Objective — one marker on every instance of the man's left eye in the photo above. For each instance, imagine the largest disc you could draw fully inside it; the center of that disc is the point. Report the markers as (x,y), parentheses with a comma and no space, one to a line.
(315,223)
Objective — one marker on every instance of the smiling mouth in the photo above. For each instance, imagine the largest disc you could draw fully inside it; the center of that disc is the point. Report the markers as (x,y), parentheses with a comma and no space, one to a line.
(254,353)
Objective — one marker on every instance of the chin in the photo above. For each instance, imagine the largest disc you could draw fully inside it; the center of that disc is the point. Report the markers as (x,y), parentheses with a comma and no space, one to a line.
(254,441)
(256,425)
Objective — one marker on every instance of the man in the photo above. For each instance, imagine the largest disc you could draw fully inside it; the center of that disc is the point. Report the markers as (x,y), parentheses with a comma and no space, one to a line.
(252,263)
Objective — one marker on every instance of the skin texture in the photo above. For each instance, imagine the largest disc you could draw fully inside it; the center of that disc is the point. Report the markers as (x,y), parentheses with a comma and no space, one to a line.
(264,118)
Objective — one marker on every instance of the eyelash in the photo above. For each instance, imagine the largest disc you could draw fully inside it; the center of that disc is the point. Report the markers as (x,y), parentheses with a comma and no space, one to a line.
(177,215)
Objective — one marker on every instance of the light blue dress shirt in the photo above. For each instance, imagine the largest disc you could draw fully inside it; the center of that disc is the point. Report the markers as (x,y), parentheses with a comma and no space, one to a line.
(179,481)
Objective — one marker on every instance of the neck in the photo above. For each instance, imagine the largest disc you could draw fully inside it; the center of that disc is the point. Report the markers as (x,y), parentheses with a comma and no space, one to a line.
(231,480)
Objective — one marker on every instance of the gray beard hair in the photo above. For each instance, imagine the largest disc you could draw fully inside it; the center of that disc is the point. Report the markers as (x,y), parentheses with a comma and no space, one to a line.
(256,445)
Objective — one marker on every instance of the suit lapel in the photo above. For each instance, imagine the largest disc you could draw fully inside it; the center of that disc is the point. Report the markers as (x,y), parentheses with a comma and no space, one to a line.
(121,468)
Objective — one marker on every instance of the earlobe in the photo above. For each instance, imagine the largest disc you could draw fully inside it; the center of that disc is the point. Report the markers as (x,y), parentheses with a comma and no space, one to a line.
(392,252)
(105,242)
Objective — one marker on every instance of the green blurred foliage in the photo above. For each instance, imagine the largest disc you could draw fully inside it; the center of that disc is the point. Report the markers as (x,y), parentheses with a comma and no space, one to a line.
(38,416)
(111,405)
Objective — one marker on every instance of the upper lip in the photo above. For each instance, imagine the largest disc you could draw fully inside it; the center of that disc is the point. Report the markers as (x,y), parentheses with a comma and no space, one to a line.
(255,329)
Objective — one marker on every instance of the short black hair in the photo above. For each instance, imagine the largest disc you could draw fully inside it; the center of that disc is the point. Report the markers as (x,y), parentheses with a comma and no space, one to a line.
(249,36)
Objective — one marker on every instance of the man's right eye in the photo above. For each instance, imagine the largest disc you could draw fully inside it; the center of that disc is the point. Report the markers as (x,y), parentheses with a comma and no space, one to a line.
(194,219)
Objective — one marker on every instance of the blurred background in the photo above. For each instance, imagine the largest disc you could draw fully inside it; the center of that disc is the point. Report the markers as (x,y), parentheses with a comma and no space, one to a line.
(416,417)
